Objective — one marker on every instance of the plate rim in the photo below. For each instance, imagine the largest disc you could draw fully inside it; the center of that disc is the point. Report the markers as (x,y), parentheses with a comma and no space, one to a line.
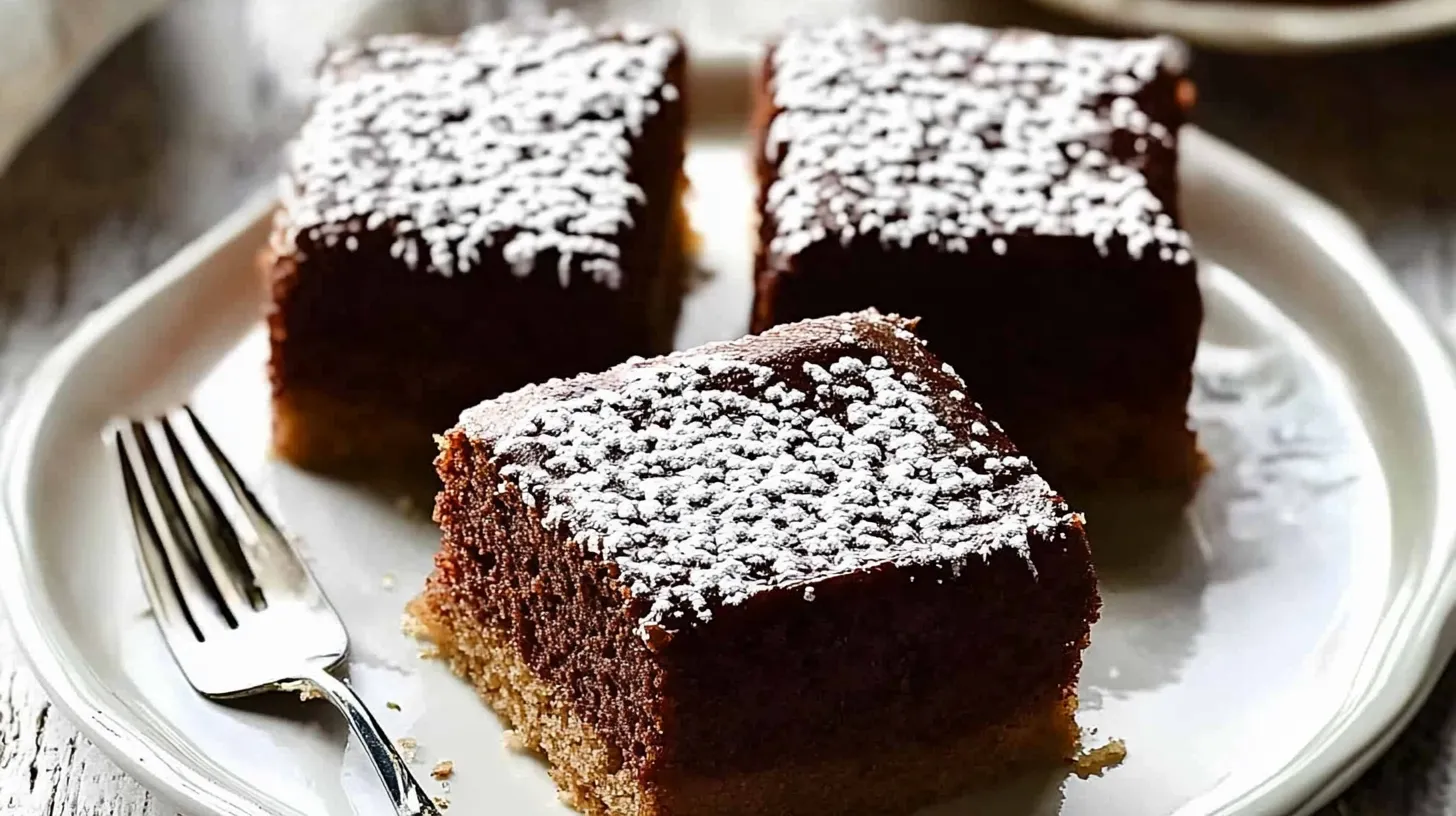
(153,764)
(1413,658)
(1272,27)
(1410,672)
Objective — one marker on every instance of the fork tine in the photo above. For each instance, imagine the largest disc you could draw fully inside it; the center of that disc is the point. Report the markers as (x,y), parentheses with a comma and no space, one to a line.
(276,565)
(212,531)
(179,543)
(158,577)
(235,482)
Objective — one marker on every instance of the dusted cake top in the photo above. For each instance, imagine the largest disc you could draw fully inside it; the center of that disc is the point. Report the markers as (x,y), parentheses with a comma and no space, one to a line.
(516,137)
(813,450)
(938,134)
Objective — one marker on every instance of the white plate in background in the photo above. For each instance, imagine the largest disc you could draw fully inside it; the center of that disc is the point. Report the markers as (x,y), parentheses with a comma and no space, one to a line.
(1254,657)
(1273,25)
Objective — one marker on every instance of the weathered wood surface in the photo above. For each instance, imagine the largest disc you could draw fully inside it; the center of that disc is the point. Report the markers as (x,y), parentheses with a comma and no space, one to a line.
(183,121)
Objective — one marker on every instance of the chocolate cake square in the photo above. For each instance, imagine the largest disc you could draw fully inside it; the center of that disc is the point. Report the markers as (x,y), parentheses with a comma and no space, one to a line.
(463,216)
(1018,192)
(799,573)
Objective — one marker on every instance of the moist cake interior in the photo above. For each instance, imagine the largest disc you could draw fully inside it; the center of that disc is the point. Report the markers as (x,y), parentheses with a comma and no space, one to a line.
(695,651)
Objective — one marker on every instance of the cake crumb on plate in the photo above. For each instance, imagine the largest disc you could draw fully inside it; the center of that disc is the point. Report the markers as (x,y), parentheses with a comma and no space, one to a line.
(1097,761)
(512,740)
(409,748)
(443,769)
(307,690)
(411,626)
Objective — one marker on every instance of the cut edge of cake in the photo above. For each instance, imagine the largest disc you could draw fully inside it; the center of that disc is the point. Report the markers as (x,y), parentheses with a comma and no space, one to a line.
(590,770)
(590,778)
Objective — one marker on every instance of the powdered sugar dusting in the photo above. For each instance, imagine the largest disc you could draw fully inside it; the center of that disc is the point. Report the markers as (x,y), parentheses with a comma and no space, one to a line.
(515,139)
(941,134)
(708,479)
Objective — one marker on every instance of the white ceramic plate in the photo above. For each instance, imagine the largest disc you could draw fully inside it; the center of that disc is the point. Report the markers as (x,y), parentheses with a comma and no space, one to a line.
(1254,656)
(1273,25)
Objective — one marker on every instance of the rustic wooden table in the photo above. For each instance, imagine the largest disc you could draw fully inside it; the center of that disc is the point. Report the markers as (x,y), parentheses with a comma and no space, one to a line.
(183,121)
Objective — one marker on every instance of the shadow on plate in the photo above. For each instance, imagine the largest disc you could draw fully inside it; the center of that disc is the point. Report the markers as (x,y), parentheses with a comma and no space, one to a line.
(1153,571)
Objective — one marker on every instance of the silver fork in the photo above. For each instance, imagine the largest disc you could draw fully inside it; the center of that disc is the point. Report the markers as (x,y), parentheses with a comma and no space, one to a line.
(236,605)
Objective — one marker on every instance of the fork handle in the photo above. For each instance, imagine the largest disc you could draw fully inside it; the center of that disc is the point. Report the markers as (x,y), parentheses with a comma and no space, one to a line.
(404,790)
